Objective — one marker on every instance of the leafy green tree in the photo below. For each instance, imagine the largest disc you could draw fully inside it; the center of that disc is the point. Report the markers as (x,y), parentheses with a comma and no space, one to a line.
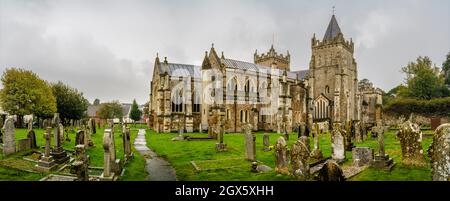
(110,110)
(424,81)
(70,103)
(25,93)
(446,69)
(96,101)
(146,110)
(135,113)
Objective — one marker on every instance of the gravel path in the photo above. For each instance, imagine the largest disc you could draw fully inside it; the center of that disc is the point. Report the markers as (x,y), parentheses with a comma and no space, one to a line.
(157,168)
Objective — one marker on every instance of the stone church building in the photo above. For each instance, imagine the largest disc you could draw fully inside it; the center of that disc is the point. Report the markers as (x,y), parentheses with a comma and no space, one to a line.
(265,93)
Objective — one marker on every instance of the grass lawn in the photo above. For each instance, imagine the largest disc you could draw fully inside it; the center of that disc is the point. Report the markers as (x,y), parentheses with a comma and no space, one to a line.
(180,153)
(135,170)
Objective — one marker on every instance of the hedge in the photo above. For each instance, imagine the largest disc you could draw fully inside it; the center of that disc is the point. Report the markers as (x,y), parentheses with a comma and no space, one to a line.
(405,106)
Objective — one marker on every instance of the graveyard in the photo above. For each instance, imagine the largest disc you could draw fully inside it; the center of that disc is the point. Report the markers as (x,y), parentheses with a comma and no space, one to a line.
(231,165)
(20,166)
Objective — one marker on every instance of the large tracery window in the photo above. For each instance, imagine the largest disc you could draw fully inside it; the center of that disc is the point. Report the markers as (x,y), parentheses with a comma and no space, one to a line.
(177,101)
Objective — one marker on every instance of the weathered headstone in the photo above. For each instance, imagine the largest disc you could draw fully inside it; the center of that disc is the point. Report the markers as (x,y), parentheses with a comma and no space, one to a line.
(316,153)
(107,174)
(24,144)
(32,136)
(266,142)
(410,138)
(9,141)
(46,163)
(285,133)
(220,146)
(281,158)
(337,143)
(58,153)
(91,126)
(331,171)
(299,158)
(382,160)
(250,146)
(61,132)
(348,135)
(80,166)
(301,129)
(128,155)
(439,153)
(362,156)
(79,138)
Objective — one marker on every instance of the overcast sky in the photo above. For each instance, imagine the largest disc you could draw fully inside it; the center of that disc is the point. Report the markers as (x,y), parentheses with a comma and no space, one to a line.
(106,49)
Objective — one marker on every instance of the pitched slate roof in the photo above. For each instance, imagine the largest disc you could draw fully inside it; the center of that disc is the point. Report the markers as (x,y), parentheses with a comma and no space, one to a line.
(180,70)
(230,63)
(332,30)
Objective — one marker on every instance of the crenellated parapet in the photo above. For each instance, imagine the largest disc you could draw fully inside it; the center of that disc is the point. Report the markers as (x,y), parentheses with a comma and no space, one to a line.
(338,40)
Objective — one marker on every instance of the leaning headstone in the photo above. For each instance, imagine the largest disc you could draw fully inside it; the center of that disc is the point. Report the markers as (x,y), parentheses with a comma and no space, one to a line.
(357,130)
(250,146)
(299,158)
(46,163)
(266,142)
(337,144)
(107,174)
(9,141)
(80,166)
(58,153)
(410,138)
(331,171)
(281,158)
(362,156)
(439,153)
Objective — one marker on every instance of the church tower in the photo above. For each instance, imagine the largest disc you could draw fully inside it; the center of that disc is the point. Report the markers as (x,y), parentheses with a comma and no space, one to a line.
(273,59)
(333,77)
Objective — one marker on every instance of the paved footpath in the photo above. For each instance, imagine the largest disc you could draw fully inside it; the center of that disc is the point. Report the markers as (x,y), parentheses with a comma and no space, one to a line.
(157,168)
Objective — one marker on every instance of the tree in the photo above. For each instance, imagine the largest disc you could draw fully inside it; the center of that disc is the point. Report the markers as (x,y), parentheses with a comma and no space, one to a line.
(446,69)
(110,110)
(25,93)
(96,101)
(146,109)
(70,103)
(135,113)
(423,80)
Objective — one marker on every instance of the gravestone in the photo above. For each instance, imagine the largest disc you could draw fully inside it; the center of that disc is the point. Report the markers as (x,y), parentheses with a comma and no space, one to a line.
(61,132)
(382,160)
(220,146)
(113,141)
(9,141)
(410,138)
(46,163)
(250,146)
(337,143)
(285,133)
(24,144)
(281,158)
(91,126)
(331,171)
(357,131)
(108,174)
(301,129)
(266,142)
(80,166)
(299,158)
(87,138)
(316,153)
(79,138)
(128,155)
(439,153)
(362,156)
(58,153)
(32,136)
(348,136)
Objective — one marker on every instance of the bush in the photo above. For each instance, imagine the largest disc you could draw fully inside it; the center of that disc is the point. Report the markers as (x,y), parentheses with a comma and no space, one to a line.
(406,106)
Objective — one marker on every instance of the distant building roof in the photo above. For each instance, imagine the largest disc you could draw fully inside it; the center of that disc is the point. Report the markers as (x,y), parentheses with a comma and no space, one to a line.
(301,74)
(180,70)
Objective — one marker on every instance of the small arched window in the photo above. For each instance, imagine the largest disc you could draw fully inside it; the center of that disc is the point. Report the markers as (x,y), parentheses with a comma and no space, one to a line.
(327,89)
